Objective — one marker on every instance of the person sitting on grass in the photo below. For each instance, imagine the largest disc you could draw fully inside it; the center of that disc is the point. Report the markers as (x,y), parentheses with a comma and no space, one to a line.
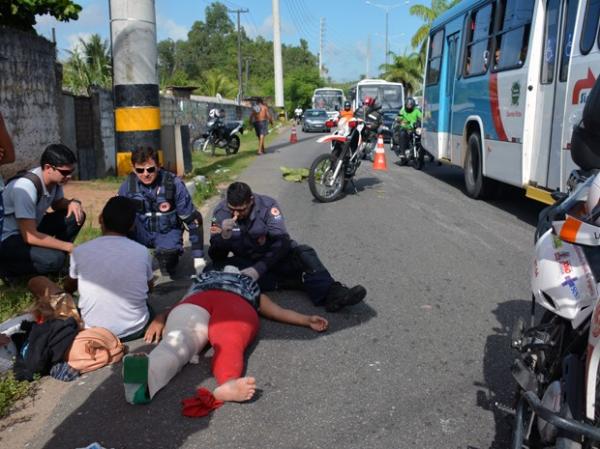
(113,275)
(222,309)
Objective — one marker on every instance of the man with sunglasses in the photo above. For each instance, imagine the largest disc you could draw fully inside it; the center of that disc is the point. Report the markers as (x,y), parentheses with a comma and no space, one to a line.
(35,241)
(164,210)
(252,227)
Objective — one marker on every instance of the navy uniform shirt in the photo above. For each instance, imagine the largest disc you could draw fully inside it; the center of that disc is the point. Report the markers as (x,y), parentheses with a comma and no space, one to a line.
(261,237)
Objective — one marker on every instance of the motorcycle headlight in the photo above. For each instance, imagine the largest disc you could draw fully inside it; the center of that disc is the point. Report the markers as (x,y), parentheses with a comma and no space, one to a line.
(418,131)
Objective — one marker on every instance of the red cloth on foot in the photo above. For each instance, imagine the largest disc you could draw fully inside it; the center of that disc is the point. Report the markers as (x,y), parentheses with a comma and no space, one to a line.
(200,405)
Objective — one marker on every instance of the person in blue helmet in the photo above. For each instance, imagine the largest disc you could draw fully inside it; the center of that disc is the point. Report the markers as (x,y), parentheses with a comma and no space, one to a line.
(164,208)
(252,227)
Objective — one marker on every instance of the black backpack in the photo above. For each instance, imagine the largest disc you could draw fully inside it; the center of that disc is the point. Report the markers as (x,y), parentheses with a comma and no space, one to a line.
(37,182)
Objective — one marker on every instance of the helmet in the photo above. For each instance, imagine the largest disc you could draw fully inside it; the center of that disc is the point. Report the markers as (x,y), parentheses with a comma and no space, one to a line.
(410,104)
(369,101)
(347,105)
(214,113)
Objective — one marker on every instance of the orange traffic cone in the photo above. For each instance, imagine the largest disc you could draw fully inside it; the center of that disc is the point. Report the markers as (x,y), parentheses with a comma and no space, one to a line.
(379,163)
(293,136)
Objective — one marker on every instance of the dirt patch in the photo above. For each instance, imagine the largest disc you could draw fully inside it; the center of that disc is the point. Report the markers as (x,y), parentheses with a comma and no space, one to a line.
(93,196)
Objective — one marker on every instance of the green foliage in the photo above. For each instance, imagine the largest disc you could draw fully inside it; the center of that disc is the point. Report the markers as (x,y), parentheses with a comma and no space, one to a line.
(11,390)
(407,69)
(208,59)
(87,66)
(428,14)
(14,300)
(21,14)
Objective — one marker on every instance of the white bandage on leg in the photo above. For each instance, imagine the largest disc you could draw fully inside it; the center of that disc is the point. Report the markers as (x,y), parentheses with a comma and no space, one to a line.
(186,333)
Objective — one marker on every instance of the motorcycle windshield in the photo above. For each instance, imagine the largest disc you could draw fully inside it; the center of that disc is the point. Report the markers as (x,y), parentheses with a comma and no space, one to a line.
(582,209)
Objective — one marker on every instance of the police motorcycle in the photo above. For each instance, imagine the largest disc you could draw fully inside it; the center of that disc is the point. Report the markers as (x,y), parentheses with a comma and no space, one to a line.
(331,172)
(415,152)
(221,135)
(557,369)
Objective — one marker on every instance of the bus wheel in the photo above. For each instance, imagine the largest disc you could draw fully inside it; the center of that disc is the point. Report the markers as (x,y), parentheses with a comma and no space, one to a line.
(475,183)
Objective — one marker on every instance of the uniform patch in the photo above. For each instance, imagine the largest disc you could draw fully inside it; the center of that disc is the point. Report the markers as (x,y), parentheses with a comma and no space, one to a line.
(275,212)
(164,206)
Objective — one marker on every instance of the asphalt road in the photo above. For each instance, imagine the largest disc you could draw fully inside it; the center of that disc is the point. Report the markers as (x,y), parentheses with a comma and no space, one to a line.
(420,365)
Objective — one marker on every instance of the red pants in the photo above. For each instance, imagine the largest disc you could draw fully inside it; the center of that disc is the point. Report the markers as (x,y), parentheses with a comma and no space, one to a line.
(232,327)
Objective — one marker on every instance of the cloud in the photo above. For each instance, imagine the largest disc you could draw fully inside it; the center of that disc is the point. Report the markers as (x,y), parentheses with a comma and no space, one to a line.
(168,28)
(74,40)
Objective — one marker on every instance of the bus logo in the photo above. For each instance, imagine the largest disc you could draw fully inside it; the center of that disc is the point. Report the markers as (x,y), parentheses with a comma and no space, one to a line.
(515,91)
(583,84)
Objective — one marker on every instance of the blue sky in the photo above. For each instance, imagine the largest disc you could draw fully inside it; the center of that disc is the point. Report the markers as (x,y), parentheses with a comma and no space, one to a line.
(348,24)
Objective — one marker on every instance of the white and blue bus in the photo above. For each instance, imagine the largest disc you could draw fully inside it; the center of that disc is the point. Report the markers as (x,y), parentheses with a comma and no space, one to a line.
(330,99)
(505,81)
(389,95)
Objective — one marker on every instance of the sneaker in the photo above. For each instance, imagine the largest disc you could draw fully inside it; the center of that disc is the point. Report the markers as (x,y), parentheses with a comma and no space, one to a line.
(135,378)
(340,296)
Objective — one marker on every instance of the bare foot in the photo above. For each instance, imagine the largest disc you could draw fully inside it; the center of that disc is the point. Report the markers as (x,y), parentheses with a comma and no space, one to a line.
(236,390)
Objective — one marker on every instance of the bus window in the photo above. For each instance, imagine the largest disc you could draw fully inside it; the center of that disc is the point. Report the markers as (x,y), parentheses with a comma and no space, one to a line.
(513,34)
(477,52)
(567,44)
(550,35)
(590,26)
(435,58)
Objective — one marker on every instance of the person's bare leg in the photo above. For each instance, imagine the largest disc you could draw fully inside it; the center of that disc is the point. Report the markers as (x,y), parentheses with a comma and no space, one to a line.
(236,390)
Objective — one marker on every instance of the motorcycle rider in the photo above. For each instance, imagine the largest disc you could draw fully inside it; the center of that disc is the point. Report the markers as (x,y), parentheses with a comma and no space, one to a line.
(373,121)
(347,112)
(407,118)
(298,114)
(164,209)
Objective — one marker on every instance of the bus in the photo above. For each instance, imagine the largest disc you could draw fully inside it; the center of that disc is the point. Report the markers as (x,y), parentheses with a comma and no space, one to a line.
(389,95)
(330,99)
(505,82)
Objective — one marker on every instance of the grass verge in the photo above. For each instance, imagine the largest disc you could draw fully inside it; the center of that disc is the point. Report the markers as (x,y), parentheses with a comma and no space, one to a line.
(11,390)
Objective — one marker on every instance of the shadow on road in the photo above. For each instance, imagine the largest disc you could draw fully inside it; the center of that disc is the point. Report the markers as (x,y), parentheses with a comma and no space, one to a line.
(280,145)
(360,185)
(498,387)
(510,199)
(105,417)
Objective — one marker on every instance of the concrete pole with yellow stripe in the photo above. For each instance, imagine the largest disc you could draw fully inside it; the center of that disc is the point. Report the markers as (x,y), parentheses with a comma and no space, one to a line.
(136,97)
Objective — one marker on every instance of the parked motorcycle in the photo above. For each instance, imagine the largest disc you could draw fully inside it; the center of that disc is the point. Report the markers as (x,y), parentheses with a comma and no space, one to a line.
(331,172)
(222,135)
(415,152)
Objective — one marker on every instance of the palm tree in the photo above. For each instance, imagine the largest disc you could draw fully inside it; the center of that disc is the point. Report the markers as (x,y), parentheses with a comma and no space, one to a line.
(215,82)
(88,65)
(428,14)
(407,69)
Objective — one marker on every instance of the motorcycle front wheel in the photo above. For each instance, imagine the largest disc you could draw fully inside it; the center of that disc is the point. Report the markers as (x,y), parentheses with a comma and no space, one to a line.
(233,145)
(209,147)
(419,160)
(322,185)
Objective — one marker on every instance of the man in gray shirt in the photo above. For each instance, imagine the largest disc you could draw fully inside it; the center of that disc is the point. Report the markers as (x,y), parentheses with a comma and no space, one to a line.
(35,241)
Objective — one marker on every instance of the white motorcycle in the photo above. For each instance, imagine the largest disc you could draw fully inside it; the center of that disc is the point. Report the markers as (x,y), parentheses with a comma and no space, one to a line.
(557,368)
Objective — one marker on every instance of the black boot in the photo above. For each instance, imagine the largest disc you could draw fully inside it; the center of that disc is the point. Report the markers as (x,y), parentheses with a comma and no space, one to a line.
(340,296)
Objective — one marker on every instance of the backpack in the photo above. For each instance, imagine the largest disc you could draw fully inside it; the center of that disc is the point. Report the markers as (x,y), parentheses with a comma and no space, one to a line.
(94,348)
(37,182)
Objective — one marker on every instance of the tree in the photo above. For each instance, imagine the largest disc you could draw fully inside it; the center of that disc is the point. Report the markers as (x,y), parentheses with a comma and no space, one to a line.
(428,14)
(215,82)
(406,69)
(21,14)
(88,65)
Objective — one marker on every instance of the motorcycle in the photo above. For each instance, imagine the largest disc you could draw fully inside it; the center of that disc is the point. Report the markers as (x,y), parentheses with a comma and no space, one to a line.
(415,152)
(222,135)
(331,172)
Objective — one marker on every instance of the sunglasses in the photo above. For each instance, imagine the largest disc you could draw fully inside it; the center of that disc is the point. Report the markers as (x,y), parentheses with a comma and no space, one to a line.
(240,208)
(141,170)
(63,171)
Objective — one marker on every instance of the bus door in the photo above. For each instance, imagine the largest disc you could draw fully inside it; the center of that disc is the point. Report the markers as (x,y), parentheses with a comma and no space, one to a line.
(556,52)
(450,63)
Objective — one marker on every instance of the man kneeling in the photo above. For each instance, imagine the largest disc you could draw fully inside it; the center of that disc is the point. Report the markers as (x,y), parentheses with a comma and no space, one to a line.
(221,308)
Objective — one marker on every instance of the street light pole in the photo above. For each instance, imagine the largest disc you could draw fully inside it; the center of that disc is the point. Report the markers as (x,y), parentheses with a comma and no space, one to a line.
(387,9)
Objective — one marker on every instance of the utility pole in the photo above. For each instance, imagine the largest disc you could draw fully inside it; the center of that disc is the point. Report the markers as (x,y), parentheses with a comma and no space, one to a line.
(247,59)
(321,45)
(387,9)
(238,12)
(368,54)
(278,64)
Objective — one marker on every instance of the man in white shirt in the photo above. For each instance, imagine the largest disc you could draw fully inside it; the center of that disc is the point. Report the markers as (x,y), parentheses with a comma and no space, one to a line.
(34,241)
(113,275)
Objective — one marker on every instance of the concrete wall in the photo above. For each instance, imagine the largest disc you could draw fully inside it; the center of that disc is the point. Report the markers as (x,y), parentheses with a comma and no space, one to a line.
(105,138)
(30,90)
